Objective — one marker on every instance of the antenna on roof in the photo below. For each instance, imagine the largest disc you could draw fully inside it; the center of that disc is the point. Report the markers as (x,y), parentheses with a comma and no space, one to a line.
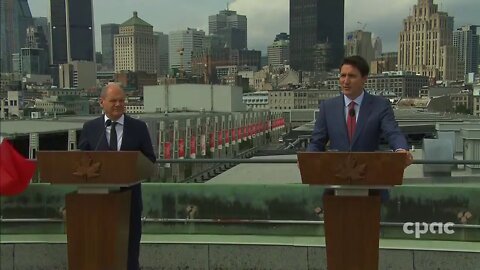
(227,4)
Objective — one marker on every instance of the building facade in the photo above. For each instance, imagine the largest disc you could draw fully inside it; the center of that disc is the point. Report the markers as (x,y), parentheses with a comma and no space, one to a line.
(78,74)
(359,42)
(401,83)
(108,49)
(181,46)
(466,43)
(72,32)
(135,46)
(15,17)
(313,22)
(426,45)
(230,27)
(278,53)
(162,53)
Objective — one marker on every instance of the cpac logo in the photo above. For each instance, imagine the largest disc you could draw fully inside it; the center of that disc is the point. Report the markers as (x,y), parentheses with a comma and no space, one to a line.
(423,228)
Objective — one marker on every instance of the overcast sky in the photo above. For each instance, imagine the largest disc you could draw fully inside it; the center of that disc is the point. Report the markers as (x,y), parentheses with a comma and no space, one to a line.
(266,18)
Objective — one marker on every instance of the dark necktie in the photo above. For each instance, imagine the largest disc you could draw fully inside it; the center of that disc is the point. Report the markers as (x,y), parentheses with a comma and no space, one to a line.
(113,137)
(351,120)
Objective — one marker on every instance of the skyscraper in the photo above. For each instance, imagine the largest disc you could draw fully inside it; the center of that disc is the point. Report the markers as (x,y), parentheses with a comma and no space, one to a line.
(15,17)
(72,34)
(108,33)
(135,46)
(426,45)
(465,41)
(377,47)
(359,42)
(231,27)
(314,22)
(162,53)
(181,46)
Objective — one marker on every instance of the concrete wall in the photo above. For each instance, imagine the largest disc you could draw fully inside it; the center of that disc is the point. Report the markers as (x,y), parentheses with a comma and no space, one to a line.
(231,256)
(193,97)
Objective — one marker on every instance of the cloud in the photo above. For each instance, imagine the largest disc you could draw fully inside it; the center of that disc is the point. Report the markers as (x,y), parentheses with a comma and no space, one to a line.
(265,19)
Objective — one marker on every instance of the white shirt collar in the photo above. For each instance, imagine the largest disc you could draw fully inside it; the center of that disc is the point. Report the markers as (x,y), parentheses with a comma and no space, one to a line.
(358,100)
(120,120)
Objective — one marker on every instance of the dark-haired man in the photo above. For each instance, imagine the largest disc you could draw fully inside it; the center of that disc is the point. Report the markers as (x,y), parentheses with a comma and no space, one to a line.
(356,120)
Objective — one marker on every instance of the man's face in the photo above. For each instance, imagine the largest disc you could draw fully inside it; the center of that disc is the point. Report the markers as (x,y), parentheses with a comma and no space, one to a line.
(351,81)
(113,103)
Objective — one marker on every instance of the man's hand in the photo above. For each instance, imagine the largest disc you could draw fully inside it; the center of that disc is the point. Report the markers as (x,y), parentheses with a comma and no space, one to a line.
(409,159)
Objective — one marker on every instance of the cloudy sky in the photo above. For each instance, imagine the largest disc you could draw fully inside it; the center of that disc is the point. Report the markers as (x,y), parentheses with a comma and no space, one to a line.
(266,18)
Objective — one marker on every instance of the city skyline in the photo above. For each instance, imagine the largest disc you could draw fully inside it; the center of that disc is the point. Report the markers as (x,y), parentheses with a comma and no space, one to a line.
(384,20)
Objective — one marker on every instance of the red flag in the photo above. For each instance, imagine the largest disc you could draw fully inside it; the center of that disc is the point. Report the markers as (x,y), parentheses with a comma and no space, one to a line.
(167,154)
(15,171)
(181,148)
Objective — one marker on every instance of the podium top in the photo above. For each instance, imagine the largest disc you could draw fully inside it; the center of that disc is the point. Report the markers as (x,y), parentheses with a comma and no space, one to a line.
(352,169)
(94,168)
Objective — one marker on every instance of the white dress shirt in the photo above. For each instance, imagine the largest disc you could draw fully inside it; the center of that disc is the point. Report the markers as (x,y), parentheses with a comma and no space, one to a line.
(118,128)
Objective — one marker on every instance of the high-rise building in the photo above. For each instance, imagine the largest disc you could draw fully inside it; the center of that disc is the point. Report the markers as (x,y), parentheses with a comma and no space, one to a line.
(43,23)
(181,46)
(162,53)
(465,41)
(72,34)
(34,54)
(377,47)
(135,46)
(278,53)
(231,27)
(359,42)
(426,43)
(108,33)
(313,22)
(15,17)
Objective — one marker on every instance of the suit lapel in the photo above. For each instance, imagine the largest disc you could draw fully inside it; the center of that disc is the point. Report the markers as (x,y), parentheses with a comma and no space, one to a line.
(125,132)
(342,118)
(365,111)
(103,144)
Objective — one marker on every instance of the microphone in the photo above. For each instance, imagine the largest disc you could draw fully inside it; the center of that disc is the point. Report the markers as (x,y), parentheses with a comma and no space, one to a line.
(107,124)
(351,112)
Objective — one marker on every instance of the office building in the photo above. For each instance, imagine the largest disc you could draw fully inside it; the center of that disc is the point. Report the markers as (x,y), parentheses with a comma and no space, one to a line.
(231,27)
(313,22)
(426,45)
(466,42)
(135,46)
(108,33)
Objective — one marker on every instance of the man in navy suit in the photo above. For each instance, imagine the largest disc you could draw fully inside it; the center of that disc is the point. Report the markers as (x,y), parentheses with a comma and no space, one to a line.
(116,131)
(356,120)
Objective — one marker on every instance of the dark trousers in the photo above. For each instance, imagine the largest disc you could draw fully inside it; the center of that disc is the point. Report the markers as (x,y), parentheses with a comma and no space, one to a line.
(135,232)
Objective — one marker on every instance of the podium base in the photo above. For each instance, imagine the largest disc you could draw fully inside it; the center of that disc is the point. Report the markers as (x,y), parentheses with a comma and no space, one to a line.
(97,230)
(352,228)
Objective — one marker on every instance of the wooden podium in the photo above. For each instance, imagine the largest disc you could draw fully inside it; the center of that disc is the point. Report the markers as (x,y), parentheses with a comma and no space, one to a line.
(352,210)
(98,212)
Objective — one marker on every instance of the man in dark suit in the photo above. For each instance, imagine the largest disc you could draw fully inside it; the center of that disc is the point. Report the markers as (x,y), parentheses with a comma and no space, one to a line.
(356,120)
(116,131)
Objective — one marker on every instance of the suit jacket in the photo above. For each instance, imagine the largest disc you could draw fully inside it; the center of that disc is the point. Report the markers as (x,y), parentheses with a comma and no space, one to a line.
(375,119)
(135,138)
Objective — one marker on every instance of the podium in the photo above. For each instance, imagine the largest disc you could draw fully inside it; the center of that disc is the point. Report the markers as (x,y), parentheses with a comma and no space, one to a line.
(98,213)
(352,207)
